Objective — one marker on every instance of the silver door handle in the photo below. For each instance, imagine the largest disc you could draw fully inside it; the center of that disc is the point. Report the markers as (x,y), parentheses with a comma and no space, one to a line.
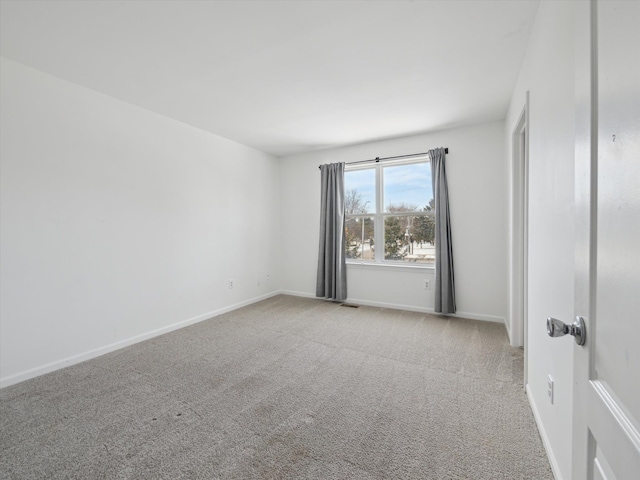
(557,328)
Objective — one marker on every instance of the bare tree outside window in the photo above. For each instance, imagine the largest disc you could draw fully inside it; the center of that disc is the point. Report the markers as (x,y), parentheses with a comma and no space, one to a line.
(359,229)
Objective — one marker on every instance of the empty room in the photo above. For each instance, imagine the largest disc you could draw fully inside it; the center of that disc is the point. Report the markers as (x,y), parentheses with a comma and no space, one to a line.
(319,239)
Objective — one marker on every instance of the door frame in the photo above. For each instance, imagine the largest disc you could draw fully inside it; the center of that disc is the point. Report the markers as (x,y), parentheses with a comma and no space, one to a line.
(519,248)
(586,211)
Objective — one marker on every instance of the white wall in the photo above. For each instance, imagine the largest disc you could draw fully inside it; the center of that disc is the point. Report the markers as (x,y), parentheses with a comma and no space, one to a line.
(478,189)
(118,223)
(548,73)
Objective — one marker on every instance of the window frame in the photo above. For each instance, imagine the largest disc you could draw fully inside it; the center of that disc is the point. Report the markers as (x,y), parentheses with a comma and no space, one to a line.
(379,214)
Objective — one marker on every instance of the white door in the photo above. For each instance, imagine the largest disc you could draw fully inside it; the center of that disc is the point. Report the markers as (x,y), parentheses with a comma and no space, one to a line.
(607,282)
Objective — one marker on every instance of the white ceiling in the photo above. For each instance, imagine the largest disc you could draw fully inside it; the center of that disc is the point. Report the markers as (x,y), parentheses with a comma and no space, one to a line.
(284,76)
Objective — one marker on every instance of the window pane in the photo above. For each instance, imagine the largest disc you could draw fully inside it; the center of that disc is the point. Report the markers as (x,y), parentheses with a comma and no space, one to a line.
(409,238)
(407,188)
(359,243)
(423,231)
(360,191)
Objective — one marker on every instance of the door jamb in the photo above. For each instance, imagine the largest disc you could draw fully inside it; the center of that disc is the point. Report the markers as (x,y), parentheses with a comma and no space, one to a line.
(518,305)
(586,188)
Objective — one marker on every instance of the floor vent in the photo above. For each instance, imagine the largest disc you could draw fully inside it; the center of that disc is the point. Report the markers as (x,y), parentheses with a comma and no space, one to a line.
(350,306)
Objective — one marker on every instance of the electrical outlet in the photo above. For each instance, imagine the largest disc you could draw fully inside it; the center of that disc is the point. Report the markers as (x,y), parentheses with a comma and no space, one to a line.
(427,285)
(550,388)
(230,284)
(268,276)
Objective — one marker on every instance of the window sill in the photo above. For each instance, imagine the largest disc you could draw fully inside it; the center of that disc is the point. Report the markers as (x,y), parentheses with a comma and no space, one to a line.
(390,266)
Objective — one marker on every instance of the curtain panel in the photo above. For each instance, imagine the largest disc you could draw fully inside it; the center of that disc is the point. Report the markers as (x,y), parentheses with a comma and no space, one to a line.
(331,280)
(445,297)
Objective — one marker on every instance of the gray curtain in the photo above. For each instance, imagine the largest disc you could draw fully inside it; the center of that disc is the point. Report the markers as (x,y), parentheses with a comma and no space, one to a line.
(445,296)
(332,268)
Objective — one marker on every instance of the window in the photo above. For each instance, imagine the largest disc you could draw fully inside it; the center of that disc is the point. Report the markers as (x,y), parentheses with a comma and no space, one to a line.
(389,213)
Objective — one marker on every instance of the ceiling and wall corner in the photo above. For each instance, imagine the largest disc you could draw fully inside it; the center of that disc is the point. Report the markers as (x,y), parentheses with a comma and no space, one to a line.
(281,76)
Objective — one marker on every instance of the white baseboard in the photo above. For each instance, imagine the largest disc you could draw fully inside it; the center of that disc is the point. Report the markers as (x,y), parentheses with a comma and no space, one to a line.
(294,293)
(410,308)
(72,360)
(543,434)
(66,362)
(477,316)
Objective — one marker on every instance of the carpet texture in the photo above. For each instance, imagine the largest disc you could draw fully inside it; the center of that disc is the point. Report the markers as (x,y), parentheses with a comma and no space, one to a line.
(285,388)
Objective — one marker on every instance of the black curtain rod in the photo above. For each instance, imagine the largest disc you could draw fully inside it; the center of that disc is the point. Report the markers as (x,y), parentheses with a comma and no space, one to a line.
(378,159)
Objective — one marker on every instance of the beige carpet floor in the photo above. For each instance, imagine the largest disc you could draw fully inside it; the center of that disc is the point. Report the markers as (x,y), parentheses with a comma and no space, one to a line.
(285,388)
